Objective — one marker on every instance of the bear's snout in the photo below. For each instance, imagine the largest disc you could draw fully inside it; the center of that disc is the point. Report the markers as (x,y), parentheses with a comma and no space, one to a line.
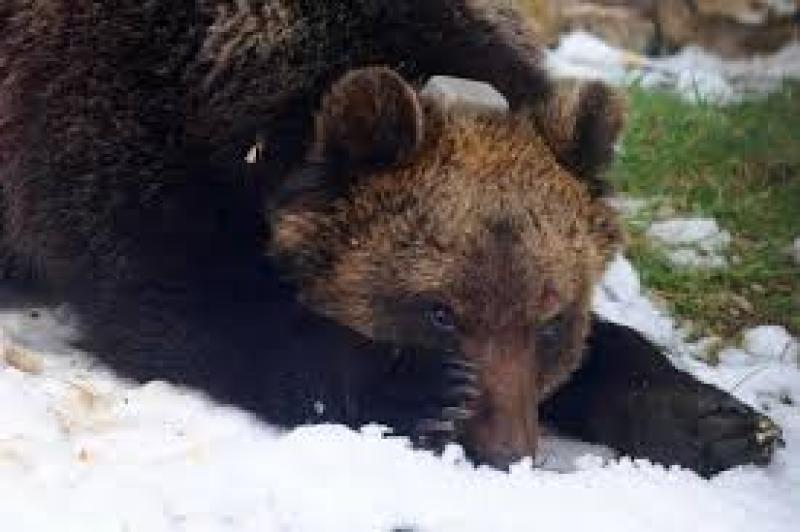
(505,427)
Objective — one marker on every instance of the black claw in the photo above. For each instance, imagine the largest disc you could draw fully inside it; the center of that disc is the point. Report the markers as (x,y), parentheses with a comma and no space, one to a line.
(465,392)
(436,426)
(457,413)
(428,398)
(769,436)
(462,363)
(467,377)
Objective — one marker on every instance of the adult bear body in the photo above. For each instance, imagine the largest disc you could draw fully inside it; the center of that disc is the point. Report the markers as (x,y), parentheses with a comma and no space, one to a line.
(124,129)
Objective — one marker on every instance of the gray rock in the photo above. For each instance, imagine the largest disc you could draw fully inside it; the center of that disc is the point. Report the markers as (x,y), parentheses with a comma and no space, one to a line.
(465,94)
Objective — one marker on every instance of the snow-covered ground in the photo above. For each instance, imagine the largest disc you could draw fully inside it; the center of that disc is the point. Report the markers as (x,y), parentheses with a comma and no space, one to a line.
(692,242)
(83,451)
(694,73)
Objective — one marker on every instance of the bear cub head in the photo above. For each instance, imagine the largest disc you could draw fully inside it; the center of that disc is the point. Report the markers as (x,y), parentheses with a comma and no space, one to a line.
(466,232)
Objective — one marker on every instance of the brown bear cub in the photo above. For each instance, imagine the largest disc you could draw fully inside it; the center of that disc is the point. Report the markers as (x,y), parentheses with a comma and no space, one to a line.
(124,188)
(479,235)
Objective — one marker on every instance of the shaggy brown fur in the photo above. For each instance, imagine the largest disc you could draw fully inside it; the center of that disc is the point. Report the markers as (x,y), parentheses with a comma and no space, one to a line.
(481,222)
(581,123)
(480,237)
(124,128)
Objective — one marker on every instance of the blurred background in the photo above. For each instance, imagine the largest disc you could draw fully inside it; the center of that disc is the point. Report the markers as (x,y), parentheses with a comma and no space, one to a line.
(732,28)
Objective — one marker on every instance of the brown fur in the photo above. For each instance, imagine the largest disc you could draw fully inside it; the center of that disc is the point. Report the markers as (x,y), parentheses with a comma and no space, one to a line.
(124,128)
(483,220)
(580,123)
(151,97)
(377,121)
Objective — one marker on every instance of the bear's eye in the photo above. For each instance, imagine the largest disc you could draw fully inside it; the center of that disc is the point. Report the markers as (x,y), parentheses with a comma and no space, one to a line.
(549,333)
(441,318)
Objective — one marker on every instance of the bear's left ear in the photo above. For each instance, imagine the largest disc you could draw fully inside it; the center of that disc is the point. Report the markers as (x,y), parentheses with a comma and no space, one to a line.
(582,123)
(369,118)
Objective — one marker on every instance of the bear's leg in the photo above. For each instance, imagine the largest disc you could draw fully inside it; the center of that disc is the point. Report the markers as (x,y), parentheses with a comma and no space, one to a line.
(12,268)
(628,396)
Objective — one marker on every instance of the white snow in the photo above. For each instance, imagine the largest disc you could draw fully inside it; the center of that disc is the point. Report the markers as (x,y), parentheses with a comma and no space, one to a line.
(782,7)
(794,251)
(691,258)
(771,342)
(695,74)
(702,232)
(692,242)
(628,207)
(84,451)
(583,55)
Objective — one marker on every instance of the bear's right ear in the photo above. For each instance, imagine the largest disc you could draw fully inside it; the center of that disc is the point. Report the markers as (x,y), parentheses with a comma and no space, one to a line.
(582,122)
(369,118)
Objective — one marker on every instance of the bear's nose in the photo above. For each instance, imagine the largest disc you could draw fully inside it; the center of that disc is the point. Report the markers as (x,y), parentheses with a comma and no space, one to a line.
(505,426)
(502,457)
(503,437)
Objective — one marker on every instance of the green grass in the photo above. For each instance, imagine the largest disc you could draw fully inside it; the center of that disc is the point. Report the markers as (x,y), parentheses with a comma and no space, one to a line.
(738,164)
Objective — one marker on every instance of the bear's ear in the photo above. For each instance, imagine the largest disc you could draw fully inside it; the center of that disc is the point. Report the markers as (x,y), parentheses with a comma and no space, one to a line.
(582,123)
(369,118)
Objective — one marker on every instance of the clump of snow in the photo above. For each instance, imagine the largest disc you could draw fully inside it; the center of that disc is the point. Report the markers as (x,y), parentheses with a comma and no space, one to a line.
(700,232)
(584,56)
(692,258)
(782,7)
(702,76)
(771,342)
(82,450)
(619,298)
(628,207)
(694,73)
(733,357)
(795,251)
(692,242)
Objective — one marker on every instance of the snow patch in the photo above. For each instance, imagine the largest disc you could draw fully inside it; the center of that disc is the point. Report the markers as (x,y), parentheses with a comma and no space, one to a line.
(628,207)
(695,74)
(771,342)
(692,242)
(82,450)
(795,251)
(584,56)
(701,232)
(619,298)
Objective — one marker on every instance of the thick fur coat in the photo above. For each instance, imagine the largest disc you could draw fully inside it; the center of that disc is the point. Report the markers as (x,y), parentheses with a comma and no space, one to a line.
(124,188)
